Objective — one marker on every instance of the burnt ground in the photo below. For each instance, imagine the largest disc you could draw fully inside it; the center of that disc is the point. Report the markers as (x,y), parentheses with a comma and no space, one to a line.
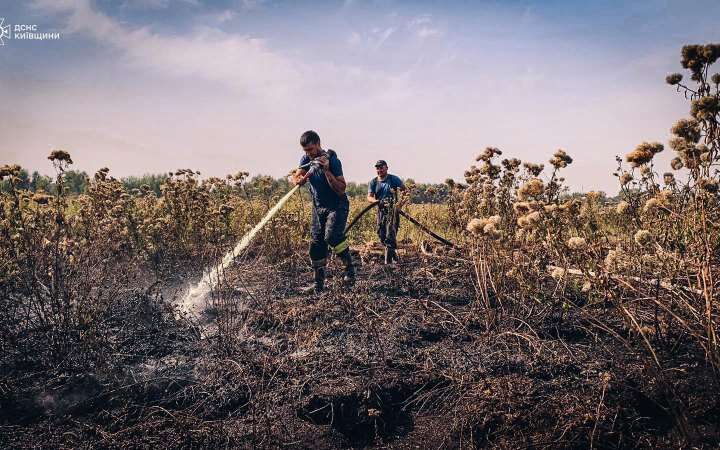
(404,359)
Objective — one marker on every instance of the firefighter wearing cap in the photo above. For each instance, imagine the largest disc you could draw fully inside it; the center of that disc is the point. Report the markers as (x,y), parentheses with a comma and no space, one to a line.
(383,189)
(330,207)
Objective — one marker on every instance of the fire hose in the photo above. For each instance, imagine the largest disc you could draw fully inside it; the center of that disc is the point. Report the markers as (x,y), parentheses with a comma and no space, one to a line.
(404,214)
(314,164)
(211,275)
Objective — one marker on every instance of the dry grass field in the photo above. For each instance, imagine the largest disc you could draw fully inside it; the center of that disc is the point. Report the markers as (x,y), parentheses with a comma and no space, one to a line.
(557,321)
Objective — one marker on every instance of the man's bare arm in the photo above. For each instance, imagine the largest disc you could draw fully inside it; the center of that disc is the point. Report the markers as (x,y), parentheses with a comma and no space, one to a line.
(336,183)
(371,198)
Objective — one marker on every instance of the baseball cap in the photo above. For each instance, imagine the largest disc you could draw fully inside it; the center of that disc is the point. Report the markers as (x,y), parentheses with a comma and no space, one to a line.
(380,163)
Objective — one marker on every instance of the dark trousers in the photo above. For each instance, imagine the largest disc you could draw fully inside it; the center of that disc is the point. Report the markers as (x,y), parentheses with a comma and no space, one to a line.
(388,223)
(328,228)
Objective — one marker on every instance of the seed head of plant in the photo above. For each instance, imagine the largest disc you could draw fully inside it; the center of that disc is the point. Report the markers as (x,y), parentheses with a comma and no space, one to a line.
(475,226)
(532,188)
(688,129)
(651,205)
(490,169)
(10,170)
(676,163)
(643,153)
(60,156)
(692,57)
(550,208)
(536,206)
(530,220)
(668,178)
(705,108)
(625,178)
(715,78)
(711,53)
(533,168)
(622,208)
(490,229)
(643,238)
(521,208)
(571,206)
(488,154)
(560,159)
(511,164)
(577,243)
(681,145)
(673,79)
(665,196)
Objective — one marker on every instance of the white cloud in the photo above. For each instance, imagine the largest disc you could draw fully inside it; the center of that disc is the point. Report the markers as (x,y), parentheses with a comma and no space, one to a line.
(426,32)
(245,64)
(241,62)
(373,39)
(423,27)
(154,4)
(424,19)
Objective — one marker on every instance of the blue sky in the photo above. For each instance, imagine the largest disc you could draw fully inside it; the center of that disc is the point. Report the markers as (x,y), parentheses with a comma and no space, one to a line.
(154,85)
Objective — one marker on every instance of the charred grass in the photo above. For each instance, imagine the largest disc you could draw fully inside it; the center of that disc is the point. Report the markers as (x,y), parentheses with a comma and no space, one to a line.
(401,360)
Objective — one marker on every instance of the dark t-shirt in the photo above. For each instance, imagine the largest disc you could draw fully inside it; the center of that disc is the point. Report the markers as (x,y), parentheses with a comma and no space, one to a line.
(322,194)
(383,189)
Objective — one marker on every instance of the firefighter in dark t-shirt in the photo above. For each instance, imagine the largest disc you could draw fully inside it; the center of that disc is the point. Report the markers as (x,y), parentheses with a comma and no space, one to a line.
(383,189)
(323,170)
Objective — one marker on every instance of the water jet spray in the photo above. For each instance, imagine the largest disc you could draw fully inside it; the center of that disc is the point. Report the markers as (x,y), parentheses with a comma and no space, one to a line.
(211,276)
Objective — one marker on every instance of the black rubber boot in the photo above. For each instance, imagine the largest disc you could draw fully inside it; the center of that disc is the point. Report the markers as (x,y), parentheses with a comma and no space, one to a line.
(319,281)
(318,278)
(390,255)
(346,258)
(394,255)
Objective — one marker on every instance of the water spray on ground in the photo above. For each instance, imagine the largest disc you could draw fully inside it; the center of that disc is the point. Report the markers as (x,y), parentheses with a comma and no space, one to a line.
(196,294)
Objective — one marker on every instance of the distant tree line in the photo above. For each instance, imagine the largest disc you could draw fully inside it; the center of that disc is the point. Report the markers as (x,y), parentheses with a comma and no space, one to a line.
(259,185)
(75,182)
